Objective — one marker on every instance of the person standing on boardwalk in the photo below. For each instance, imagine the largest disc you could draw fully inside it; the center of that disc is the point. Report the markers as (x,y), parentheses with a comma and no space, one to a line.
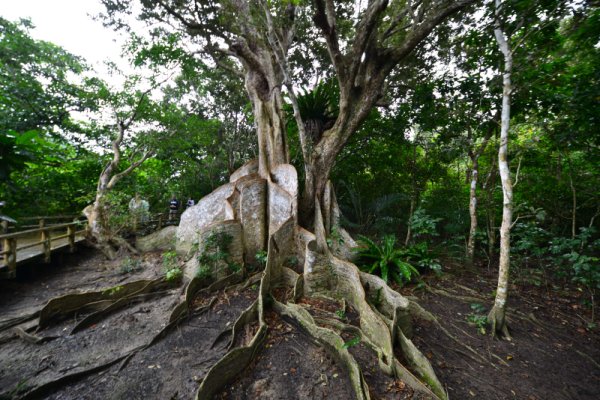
(173,207)
(138,209)
(190,203)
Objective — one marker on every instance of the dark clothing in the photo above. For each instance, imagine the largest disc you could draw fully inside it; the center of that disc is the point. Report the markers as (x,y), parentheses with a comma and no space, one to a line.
(174,205)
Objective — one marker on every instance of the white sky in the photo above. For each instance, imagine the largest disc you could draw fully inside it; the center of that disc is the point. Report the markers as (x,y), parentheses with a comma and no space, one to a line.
(68,23)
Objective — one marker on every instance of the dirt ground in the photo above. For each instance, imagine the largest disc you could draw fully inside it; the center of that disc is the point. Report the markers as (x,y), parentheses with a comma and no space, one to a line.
(552,355)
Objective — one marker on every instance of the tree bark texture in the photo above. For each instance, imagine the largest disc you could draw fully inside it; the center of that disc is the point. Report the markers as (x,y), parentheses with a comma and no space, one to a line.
(472,211)
(497,315)
(474,156)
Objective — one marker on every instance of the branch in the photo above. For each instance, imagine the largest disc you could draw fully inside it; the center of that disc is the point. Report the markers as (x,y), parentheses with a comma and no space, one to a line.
(179,17)
(420,31)
(519,217)
(280,55)
(324,19)
(117,177)
(364,35)
(518,170)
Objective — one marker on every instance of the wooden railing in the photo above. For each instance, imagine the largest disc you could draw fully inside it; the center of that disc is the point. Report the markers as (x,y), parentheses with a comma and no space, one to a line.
(10,241)
(157,221)
(42,234)
(38,222)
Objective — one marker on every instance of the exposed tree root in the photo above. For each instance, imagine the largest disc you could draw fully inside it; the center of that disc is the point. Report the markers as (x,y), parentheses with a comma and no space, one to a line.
(40,391)
(97,301)
(498,324)
(420,313)
(465,299)
(33,339)
(9,323)
(259,212)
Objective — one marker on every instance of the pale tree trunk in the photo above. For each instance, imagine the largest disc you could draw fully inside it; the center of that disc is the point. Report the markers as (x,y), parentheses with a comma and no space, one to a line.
(267,106)
(99,231)
(474,156)
(472,211)
(573,200)
(497,315)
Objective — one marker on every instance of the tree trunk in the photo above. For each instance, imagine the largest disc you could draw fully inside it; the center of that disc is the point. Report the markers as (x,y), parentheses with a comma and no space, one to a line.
(474,175)
(98,228)
(472,211)
(99,231)
(264,90)
(573,200)
(497,315)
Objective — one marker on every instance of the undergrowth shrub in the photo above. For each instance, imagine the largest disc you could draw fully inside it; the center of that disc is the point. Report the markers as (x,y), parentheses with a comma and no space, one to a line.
(129,265)
(171,266)
(385,259)
(215,254)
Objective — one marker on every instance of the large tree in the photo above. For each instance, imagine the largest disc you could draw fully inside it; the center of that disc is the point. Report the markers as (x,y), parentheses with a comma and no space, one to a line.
(259,208)
(364,44)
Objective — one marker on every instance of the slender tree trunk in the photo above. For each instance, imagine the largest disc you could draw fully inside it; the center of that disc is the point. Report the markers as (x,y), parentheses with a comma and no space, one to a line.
(474,155)
(497,315)
(573,200)
(414,194)
(472,211)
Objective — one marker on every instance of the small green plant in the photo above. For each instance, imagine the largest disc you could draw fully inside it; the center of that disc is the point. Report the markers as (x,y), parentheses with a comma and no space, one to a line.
(234,267)
(578,261)
(421,257)
(261,258)
(387,259)
(112,291)
(215,254)
(203,272)
(169,259)
(341,314)
(20,388)
(478,318)
(130,265)
(335,237)
(352,342)
(422,225)
(173,272)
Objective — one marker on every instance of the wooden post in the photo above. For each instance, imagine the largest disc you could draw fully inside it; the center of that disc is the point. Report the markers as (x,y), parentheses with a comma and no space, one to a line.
(71,233)
(46,243)
(42,223)
(160,221)
(10,257)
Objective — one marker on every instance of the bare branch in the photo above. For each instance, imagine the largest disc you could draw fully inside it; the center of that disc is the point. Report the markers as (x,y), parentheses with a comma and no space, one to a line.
(324,19)
(280,54)
(117,177)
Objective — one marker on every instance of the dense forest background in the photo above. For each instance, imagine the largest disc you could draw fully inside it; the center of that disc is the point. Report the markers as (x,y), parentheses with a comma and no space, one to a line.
(406,174)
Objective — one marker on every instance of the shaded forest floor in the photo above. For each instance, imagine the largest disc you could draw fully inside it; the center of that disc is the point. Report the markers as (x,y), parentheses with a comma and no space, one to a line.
(552,355)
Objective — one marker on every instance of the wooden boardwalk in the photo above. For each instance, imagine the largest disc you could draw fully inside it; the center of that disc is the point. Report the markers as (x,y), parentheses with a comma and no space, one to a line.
(25,246)
(37,250)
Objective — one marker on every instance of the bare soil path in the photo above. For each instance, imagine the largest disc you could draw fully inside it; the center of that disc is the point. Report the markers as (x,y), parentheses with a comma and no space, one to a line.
(553,354)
